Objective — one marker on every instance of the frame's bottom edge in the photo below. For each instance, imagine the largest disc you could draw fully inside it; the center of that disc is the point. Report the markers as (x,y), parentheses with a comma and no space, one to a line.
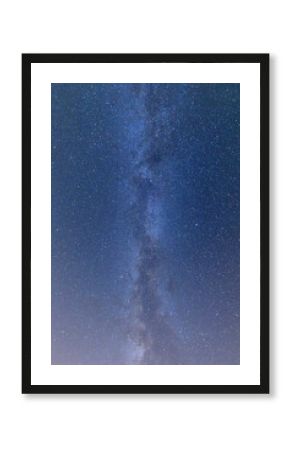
(145,389)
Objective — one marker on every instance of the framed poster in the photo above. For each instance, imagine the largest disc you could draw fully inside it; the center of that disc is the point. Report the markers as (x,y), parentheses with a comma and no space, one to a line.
(145,223)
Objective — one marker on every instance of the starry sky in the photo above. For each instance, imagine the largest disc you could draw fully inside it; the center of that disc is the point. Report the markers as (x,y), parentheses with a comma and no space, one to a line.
(145,223)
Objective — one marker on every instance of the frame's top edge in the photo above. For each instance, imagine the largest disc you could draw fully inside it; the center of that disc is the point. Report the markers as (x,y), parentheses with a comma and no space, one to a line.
(29,58)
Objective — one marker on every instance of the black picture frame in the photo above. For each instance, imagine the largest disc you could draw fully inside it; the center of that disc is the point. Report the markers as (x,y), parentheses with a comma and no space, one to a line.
(27,61)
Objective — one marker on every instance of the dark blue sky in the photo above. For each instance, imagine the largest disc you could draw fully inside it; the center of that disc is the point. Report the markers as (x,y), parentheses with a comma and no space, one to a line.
(145,223)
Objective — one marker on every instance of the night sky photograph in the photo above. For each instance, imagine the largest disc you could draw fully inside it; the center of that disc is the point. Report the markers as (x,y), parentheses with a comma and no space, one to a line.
(145,204)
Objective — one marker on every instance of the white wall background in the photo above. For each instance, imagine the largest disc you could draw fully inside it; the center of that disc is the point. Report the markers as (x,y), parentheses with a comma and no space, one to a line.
(124,422)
